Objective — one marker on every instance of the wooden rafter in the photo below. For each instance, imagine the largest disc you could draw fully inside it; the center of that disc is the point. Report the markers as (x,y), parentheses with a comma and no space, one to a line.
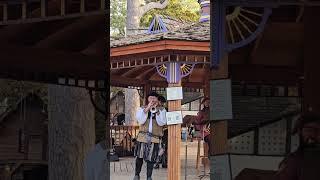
(147,73)
(73,34)
(156,60)
(43,11)
(135,71)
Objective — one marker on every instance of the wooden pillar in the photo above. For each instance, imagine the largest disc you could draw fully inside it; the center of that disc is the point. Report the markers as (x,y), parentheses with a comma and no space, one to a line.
(5,12)
(174,141)
(24,9)
(311,59)
(206,87)
(219,130)
(44,8)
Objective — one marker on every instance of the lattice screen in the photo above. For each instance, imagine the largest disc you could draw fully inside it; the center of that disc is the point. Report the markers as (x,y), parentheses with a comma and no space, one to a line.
(243,144)
(272,139)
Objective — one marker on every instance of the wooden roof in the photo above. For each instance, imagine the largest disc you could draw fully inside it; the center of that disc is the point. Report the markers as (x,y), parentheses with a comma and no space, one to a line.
(46,50)
(197,32)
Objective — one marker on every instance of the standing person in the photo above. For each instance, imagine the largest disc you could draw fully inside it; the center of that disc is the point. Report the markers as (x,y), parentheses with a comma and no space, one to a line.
(164,140)
(293,166)
(201,121)
(151,119)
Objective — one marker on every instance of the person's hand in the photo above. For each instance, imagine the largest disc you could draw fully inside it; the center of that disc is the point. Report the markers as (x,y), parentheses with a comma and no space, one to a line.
(150,105)
(147,109)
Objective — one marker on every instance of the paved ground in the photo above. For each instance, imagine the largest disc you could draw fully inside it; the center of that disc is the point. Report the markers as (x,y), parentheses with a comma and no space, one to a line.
(124,169)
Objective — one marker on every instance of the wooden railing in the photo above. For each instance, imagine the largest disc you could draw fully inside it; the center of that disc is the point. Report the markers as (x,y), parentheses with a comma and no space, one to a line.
(122,137)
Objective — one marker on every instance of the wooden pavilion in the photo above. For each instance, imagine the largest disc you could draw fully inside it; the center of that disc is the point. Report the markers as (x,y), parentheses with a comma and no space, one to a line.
(265,47)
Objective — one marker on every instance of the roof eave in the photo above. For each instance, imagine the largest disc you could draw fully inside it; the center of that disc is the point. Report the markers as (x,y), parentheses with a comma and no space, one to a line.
(181,45)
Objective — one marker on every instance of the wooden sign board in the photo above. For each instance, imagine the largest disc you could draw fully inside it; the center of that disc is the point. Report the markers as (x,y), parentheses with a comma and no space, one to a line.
(220,99)
(174,117)
(174,93)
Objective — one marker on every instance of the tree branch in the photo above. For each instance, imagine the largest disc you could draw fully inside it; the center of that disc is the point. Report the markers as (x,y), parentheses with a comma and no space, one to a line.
(154,5)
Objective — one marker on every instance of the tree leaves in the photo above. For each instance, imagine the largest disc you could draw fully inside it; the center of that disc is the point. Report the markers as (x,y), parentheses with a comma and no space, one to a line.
(187,10)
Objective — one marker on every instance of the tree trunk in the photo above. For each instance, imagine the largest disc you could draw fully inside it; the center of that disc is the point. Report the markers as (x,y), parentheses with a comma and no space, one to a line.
(133,16)
(71,131)
(132,103)
(136,9)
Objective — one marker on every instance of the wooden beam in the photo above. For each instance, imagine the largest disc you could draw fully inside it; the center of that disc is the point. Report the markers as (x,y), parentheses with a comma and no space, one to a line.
(103,5)
(147,73)
(134,72)
(44,8)
(311,86)
(63,5)
(97,48)
(74,32)
(24,9)
(32,59)
(5,12)
(82,6)
(160,46)
(254,49)
(165,52)
(174,141)
(219,130)
(123,81)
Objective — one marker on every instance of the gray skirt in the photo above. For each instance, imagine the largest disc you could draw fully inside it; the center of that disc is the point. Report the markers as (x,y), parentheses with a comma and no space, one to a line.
(149,152)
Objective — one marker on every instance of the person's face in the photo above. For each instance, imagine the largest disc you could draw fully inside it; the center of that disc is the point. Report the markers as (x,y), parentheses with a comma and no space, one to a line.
(311,133)
(152,99)
(207,103)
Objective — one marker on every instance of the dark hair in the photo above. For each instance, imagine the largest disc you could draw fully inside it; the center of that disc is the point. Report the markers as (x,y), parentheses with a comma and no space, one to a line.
(304,119)
(153,94)
(162,99)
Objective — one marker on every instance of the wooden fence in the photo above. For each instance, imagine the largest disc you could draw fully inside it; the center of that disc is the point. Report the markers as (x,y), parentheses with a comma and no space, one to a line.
(122,137)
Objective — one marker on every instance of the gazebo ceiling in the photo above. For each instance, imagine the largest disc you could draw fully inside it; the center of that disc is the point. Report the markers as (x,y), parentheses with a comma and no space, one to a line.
(70,48)
(148,75)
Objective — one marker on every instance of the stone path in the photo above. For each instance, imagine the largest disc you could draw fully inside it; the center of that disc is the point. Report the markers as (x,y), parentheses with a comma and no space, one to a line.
(124,169)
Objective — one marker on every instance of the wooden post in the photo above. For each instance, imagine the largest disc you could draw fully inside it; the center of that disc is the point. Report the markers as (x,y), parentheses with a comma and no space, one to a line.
(174,141)
(311,63)
(103,5)
(82,6)
(62,7)
(219,130)
(5,12)
(44,8)
(24,9)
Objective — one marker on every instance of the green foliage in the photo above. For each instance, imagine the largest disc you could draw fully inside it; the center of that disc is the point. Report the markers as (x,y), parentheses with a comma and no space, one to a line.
(187,10)
(118,13)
